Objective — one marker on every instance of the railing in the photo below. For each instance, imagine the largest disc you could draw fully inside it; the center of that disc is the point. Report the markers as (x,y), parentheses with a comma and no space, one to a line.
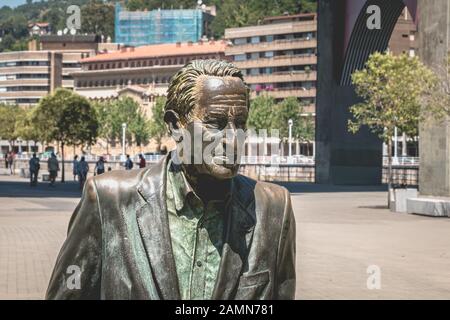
(402,161)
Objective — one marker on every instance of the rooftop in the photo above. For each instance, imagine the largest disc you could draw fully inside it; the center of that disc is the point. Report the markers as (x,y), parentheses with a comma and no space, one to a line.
(161,50)
(70,38)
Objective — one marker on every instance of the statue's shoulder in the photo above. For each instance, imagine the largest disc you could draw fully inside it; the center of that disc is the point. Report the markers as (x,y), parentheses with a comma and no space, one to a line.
(266,189)
(122,180)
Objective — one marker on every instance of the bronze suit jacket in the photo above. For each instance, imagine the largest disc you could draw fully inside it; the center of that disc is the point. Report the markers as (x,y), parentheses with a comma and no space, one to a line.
(118,244)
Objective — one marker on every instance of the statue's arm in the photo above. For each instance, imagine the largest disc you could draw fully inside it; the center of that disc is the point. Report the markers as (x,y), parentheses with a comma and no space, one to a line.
(77,272)
(285,278)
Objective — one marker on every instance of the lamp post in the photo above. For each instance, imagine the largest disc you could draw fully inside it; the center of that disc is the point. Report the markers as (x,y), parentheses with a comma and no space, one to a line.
(124,129)
(290,123)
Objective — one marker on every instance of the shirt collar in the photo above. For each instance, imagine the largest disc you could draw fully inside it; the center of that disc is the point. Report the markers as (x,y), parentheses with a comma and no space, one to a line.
(180,187)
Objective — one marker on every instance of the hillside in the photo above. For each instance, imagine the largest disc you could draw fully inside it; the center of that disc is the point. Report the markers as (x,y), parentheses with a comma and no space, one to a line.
(97,16)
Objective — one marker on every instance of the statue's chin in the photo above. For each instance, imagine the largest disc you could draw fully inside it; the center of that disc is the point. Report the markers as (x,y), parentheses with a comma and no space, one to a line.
(222,172)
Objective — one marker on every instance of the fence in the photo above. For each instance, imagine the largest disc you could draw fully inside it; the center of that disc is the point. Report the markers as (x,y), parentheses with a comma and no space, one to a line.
(295,169)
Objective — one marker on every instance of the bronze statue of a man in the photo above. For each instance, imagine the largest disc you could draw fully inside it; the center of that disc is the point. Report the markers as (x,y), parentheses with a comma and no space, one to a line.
(184,229)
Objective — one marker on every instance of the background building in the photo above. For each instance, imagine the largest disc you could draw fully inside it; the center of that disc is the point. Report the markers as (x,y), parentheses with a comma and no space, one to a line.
(404,37)
(137,28)
(145,70)
(278,57)
(27,76)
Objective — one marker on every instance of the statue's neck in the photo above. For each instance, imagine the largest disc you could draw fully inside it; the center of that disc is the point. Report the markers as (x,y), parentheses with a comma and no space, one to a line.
(207,187)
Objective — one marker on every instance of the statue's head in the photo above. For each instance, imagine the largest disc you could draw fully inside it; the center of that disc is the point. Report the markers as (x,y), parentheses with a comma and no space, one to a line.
(206,111)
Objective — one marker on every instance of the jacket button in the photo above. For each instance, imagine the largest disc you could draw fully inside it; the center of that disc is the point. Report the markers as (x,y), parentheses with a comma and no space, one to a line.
(199,263)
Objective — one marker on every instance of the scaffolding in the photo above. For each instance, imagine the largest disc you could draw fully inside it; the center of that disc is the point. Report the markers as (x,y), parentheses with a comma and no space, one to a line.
(137,28)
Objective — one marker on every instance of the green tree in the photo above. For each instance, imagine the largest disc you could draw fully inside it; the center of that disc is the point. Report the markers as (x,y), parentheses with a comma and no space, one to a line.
(261,112)
(8,118)
(391,88)
(67,118)
(98,18)
(105,116)
(303,128)
(158,128)
(24,127)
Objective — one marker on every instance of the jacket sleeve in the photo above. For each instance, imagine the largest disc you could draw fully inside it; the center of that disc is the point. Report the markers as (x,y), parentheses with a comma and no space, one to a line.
(77,272)
(285,277)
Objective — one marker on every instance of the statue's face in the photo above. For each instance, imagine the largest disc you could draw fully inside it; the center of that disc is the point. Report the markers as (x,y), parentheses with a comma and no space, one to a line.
(221,115)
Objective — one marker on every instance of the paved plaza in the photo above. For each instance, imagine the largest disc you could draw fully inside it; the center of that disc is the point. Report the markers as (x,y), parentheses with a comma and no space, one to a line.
(341,231)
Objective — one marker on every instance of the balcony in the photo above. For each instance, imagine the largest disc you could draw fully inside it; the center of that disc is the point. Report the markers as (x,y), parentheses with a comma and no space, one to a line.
(285,93)
(288,76)
(25,82)
(276,45)
(278,61)
(270,29)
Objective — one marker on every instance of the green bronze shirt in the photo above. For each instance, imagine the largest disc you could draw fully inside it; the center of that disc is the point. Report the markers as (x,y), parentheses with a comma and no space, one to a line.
(197,236)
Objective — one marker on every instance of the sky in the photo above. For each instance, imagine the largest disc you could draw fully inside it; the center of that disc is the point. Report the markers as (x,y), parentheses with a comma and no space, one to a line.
(11,3)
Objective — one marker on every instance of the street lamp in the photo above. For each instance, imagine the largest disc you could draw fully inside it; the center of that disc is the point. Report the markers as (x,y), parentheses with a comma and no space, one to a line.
(290,123)
(124,129)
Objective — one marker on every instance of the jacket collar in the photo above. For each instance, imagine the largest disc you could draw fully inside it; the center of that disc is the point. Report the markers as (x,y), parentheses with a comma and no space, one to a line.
(154,228)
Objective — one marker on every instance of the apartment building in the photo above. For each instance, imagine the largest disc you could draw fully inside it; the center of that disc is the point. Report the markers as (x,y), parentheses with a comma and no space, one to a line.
(404,36)
(27,76)
(278,57)
(145,71)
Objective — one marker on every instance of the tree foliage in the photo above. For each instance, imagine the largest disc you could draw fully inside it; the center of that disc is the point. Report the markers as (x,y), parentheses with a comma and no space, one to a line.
(261,112)
(158,128)
(266,114)
(391,88)
(8,119)
(66,117)
(112,114)
(303,124)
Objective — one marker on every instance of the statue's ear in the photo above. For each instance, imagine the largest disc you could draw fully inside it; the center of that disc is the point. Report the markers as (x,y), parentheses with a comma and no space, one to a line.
(172,119)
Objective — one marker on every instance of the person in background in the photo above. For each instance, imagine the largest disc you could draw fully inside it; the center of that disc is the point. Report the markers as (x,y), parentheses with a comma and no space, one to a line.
(100,166)
(6,160)
(53,168)
(83,170)
(142,163)
(34,169)
(75,167)
(11,162)
(128,163)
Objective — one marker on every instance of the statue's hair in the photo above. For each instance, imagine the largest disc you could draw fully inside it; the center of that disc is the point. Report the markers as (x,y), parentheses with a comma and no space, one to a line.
(182,96)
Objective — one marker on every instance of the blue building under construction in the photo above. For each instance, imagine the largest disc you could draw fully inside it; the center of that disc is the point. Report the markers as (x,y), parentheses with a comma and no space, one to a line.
(137,28)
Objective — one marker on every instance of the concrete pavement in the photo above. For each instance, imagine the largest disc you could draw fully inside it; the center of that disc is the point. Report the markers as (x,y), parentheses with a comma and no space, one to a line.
(341,232)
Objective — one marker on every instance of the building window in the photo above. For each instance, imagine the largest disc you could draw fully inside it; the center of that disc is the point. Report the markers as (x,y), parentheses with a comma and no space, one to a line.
(239,41)
(268,54)
(254,71)
(255,39)
(254,55)
(240,57)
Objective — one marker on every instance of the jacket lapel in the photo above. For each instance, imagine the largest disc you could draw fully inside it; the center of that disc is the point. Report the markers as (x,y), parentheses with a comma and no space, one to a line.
(154,228)
(241,220)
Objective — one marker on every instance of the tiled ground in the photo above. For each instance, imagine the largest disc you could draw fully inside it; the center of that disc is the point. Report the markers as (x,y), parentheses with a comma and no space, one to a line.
(340,232)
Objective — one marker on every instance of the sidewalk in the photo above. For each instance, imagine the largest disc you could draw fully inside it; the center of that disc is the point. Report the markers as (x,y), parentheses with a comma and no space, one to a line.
(341,231)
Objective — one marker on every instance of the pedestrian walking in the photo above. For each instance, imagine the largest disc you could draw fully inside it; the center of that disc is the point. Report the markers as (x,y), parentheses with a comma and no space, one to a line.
(75,163)
(100,166)
(11,162)
(83,170)
(6,160)
(34,169)
(128,163)
(53,168)
(142,163)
